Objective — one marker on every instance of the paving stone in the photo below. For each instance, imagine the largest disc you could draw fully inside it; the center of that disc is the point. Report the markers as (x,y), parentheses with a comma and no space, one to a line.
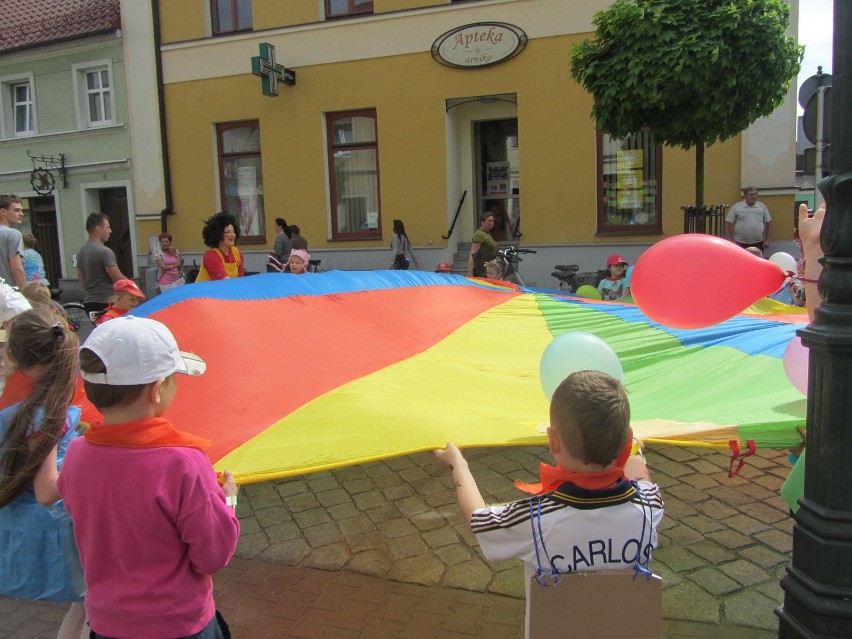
(682,535)
(271,516)
(333,497)
(745,524)
(290,552)
(470,575)
(301,501)
(359,485)
(413,474)
(257,490)
(344,511)
(714,581)
(312,517)
(392,493)
(777,540)
(678,558)
(689,602)
(772,483)
(250,546)
(676,509)
(701,482)
(388,480)
(407,546)
(283,532)
(730,538)
(745,572)
(702,524)
(400,463)
(707,469)
(688,494)
(267,500)
(430,485)
(289,487)
(329,557)
(712,552)
(716,509)
(772,589)
(411,506)
(423,568)
(454,554)
(356,525)
(398,527)
(758,493)
(369,499)
(731,496)
(676,453)
(365,541)
(385,512)
(322,481)
(509,583)
(322,535)
(673,469)
(440,537)
(249,525)
(428,521)
(377,562)
(662,480)
(764,557)
(751,608)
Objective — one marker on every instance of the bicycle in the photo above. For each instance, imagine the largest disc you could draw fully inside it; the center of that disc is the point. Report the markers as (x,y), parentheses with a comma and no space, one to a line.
(76,315)
(567,276)
(511,258)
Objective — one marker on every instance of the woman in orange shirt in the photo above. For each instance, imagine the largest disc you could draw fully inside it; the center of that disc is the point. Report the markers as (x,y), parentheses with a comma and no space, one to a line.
(223,260)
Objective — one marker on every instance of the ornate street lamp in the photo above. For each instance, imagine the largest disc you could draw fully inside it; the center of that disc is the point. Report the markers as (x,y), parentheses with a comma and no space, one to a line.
(818,586)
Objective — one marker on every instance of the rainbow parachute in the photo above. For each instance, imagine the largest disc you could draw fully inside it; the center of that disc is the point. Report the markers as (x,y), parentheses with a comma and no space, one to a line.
(318,371)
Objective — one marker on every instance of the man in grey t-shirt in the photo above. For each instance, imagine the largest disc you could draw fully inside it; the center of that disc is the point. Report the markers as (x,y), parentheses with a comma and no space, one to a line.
(97,268)
(11,243)
(748,223)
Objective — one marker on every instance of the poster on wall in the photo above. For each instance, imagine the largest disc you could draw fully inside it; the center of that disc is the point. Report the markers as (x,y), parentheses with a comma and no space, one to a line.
(497,182)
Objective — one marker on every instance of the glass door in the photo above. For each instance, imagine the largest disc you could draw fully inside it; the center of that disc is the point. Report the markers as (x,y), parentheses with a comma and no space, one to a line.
(498,174)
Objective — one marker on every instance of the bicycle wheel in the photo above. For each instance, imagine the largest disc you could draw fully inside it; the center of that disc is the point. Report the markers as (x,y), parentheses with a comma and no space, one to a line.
(75,315)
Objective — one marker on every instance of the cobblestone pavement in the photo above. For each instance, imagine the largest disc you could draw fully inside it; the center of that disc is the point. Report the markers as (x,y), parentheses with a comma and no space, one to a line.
(380,550)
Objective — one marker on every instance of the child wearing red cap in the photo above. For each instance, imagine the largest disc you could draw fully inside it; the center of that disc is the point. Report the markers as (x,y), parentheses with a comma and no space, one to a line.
(612,287)
(127,296)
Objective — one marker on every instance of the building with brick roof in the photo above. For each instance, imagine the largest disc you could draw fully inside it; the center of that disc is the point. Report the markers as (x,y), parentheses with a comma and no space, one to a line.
(66,125)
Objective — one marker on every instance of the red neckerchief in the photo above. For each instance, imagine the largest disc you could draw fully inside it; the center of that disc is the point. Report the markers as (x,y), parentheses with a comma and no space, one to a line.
(552,477)
(18,387)
(614,279)
(148,432)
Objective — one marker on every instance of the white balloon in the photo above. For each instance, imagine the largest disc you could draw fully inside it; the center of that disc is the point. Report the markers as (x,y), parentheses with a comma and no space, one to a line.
(786,261)
(576,351)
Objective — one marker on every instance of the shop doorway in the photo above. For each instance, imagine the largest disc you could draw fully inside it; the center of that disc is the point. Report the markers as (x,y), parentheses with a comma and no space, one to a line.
(498,176)
(113,202)
(44,228)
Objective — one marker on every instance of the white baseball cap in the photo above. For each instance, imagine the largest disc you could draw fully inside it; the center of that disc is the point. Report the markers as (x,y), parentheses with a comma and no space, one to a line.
(138,350)
(12,302)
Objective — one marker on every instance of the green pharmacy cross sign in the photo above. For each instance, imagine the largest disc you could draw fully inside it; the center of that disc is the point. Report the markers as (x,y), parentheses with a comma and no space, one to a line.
(269,71)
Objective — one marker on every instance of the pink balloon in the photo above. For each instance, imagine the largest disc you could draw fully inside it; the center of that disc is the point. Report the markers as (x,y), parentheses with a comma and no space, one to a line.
(796,364)
(696,280)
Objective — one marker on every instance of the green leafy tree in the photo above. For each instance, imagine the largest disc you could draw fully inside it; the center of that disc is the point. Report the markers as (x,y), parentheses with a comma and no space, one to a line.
(693,71)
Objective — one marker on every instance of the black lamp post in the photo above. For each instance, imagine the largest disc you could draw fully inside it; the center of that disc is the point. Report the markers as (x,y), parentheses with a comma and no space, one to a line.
(818,586)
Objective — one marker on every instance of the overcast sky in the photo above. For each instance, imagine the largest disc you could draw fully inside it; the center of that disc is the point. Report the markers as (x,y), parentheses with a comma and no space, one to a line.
(816,33)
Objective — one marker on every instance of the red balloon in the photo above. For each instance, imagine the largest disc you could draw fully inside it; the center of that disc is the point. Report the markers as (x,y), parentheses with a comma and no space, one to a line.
(695,280)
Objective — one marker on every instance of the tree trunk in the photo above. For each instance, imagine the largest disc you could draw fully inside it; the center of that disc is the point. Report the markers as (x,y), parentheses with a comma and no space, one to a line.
(699,175)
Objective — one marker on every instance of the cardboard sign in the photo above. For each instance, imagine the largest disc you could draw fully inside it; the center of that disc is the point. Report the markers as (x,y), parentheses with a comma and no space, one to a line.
(597,605)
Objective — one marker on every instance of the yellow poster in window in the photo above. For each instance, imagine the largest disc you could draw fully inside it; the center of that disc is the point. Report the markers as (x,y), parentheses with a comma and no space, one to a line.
(630,179)
(630,199)
(629,159)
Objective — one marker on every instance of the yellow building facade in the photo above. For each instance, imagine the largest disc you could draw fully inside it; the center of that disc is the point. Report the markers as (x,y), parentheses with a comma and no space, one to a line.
(378,126)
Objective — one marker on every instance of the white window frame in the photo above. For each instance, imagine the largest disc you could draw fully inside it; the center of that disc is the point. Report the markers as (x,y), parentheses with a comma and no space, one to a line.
(8,104)
(81,93)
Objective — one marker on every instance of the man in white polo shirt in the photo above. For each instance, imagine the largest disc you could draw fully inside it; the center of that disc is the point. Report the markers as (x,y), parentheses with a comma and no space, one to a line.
(748,223)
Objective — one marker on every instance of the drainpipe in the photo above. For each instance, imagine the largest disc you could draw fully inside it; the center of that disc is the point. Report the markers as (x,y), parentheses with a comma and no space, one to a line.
(164,136)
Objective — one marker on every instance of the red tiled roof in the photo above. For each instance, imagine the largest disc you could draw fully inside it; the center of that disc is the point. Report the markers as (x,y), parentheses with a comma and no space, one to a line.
(27,22)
